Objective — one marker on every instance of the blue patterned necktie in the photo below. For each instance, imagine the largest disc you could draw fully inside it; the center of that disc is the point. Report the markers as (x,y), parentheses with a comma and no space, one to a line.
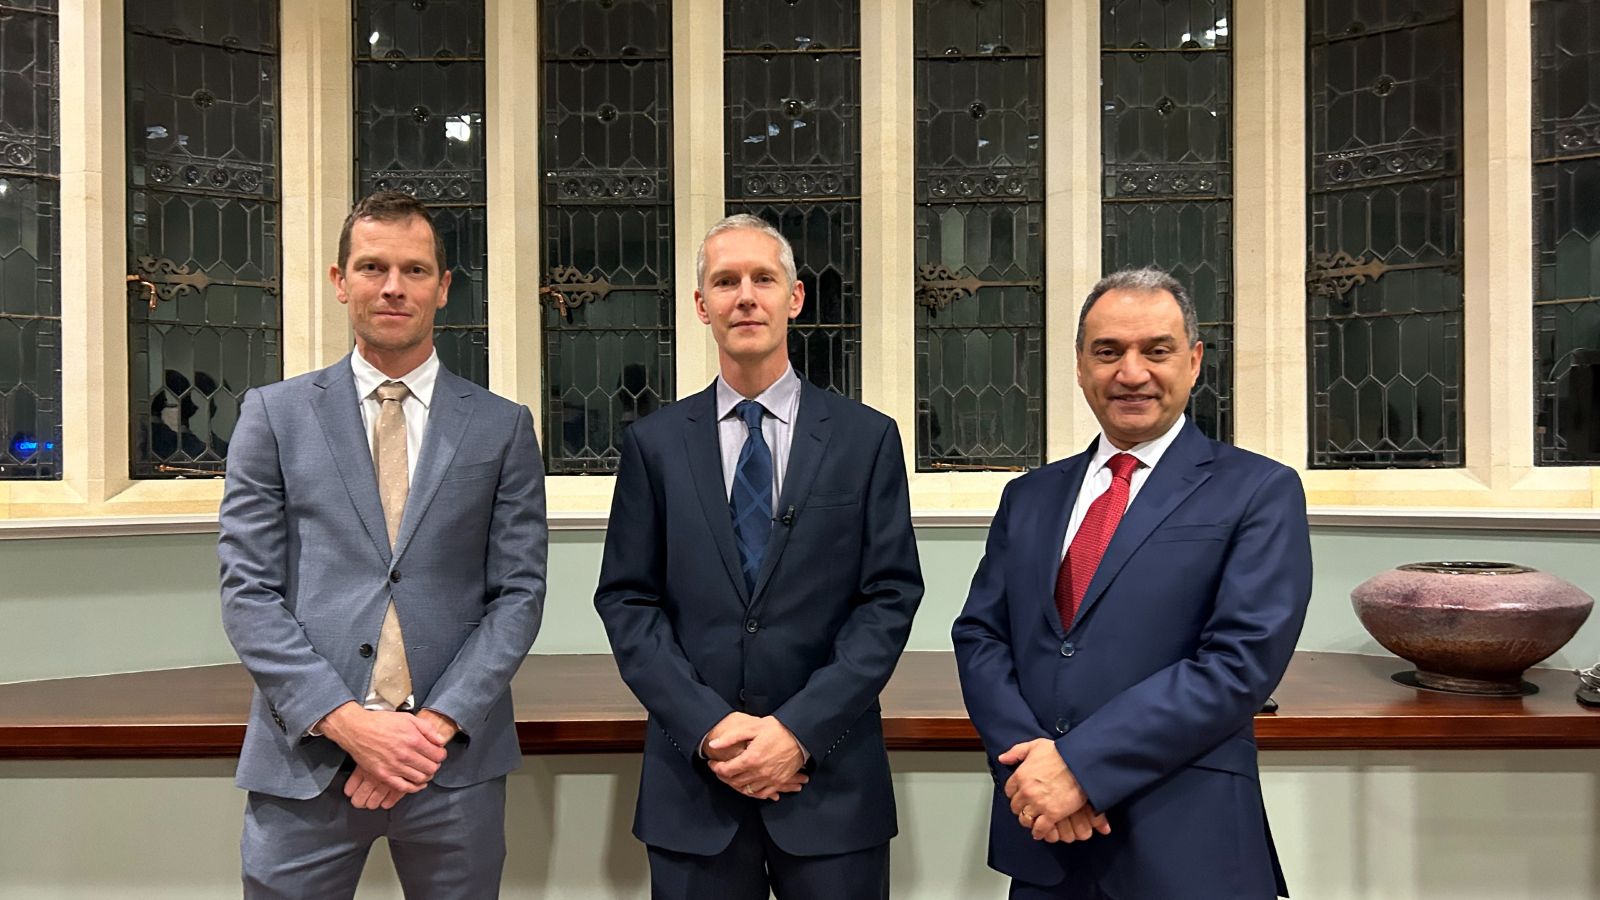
(751,499)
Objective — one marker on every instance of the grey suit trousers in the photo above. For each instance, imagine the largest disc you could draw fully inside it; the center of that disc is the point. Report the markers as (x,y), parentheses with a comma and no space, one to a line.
(447,843)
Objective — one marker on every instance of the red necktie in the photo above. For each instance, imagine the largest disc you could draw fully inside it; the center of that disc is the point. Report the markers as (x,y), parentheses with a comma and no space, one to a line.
(1089,544)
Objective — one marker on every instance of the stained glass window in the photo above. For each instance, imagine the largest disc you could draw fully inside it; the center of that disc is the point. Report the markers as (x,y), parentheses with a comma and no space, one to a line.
(203,249)
(1166,86)
(1566,178)
(1383,275)
(420,130)
(606,216)
(979,234)
(792,76)
(30,294)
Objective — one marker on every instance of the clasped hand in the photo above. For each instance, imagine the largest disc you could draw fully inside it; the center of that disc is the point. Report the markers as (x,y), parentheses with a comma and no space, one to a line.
(1046,798)
(395,753)
(759,758)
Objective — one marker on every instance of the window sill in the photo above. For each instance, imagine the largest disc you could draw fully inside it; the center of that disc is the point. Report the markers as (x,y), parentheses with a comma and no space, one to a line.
(1539,520)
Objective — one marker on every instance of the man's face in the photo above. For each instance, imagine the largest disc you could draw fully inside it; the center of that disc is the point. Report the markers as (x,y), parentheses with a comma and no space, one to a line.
(747,298)
(1136,367)
(391,284)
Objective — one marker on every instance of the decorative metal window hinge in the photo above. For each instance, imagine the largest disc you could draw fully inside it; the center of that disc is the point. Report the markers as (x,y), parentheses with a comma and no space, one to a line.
(582,288)
(163,279)
(938,286)
(1340,273)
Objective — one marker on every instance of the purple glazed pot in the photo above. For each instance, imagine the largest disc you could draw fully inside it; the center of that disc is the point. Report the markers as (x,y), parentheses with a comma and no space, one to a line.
(1470,627)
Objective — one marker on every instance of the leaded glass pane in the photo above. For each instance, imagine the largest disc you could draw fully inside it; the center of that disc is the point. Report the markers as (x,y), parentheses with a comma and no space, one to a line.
(1384,271)
(419,29)
(606,217)
(420,127)
(30,257)
(1164,24)
(1566,175)
(614,30)
(956,28)
(203,245)
(1166,76)
(1332,19)
(792,77)
(248,25)
(979,234)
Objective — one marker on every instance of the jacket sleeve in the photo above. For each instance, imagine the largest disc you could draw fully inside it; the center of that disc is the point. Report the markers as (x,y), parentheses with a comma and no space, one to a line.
(983,648)
(873,636)
(630,600)
(299,684)
(514,584)
(1184,710)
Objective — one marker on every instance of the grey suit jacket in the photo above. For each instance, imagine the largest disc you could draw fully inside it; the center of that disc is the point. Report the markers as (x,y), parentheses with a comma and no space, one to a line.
(307,571)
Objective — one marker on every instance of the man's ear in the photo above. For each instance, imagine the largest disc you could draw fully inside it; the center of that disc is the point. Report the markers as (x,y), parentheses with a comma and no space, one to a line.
(797,299)
(336,278)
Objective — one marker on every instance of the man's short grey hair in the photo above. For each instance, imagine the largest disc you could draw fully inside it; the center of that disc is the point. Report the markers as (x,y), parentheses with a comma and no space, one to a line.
(1148,280)
(740,221)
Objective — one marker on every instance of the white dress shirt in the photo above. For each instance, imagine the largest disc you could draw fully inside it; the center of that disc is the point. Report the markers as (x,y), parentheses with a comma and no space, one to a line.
(781,400)
(419,382)
(1097,479)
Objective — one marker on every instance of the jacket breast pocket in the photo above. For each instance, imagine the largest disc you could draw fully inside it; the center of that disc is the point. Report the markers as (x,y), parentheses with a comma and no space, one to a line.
(1180,532)
(829,499)
(472,470)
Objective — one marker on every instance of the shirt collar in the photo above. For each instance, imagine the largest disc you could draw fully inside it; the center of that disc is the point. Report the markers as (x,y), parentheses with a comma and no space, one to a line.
(779,399)
(1148,453)
(418,381)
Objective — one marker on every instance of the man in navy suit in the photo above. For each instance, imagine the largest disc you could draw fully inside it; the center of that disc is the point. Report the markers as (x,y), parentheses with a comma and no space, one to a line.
(1135,606)
(383,575)
(759,581)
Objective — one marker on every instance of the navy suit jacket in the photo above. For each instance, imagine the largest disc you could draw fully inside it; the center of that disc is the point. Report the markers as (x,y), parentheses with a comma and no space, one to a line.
(1186,627)
(308,573)
(813,644)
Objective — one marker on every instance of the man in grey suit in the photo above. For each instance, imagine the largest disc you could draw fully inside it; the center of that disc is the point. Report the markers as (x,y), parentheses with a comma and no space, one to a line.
(383,576)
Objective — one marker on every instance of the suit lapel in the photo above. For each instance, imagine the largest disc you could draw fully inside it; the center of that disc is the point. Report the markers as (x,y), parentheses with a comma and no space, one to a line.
(704,453)
(1174,478)
(448,417)
(339,412)
(1056,516)
(811,433)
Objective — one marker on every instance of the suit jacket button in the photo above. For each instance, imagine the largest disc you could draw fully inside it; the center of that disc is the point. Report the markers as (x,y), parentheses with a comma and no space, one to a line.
(1067,649)
(752,626)
(365,650)
(394,577)
(1062,727)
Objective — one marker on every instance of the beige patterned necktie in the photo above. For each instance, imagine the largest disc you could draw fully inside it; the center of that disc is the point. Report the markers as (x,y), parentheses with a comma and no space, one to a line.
(391,675)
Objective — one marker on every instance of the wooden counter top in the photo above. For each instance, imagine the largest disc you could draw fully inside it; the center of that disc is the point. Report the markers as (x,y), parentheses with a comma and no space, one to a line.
(573,704)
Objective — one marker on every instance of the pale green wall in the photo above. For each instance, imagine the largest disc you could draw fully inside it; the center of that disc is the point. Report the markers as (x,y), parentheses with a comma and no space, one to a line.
(1349,826)
(80,606)
(1476,825)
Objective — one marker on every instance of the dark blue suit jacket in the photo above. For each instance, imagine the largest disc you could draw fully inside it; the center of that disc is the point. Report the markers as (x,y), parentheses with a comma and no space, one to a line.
(813,644)
(1186,628)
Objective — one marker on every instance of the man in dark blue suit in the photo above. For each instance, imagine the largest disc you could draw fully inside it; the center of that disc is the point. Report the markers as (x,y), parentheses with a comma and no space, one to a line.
(1135,606)
(759,581)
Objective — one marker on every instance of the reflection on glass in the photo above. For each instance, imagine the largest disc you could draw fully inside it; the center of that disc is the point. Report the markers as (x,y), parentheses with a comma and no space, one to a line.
(606,223)
(1566,240)
(792,104)
(203,248)
(30,257)
(420,130)
(979,234)
(1384,273)
(1167,155)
